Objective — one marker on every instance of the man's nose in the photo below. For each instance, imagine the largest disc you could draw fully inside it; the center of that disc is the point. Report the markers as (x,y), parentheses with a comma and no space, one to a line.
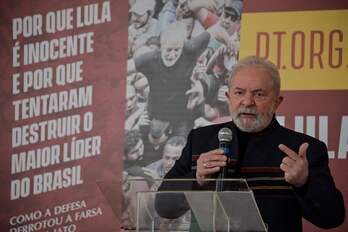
(225,19)
(248,100)
(171,163)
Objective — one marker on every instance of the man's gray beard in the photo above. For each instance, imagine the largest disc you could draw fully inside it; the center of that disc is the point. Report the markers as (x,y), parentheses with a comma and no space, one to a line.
(257,125)
(170,63)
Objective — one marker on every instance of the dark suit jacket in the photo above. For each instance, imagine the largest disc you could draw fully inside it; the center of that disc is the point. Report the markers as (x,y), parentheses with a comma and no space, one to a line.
(281,205)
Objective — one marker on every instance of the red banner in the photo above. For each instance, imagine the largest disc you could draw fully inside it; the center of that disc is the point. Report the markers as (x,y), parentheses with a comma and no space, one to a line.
(62,87)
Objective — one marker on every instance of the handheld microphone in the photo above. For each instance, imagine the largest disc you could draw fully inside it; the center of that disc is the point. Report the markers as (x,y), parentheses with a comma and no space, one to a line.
(225,138)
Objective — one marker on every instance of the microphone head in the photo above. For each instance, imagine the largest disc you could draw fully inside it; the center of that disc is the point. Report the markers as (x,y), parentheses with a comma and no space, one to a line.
(225,135)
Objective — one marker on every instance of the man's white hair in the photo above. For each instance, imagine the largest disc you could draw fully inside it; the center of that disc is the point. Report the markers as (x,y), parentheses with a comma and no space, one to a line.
(175,31)
(267,66)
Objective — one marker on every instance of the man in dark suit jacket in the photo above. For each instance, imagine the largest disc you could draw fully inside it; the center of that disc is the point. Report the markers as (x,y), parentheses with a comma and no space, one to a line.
(287,171)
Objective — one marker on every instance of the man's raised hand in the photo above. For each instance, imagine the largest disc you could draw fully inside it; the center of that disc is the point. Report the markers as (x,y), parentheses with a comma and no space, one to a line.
(295,165)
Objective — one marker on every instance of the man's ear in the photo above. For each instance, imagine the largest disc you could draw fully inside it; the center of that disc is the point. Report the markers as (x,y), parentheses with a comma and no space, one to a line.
(227,95)
(279,100)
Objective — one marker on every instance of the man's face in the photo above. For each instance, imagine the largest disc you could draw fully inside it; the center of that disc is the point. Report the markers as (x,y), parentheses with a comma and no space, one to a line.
(131,99)
(252,99)
(229,21)
(171,51)
(157,142)
(170,155)
(139,20)
(137,152)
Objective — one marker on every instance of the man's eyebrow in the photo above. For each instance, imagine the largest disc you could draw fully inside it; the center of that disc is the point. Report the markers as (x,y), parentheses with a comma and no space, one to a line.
(253,91)
(258,90)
